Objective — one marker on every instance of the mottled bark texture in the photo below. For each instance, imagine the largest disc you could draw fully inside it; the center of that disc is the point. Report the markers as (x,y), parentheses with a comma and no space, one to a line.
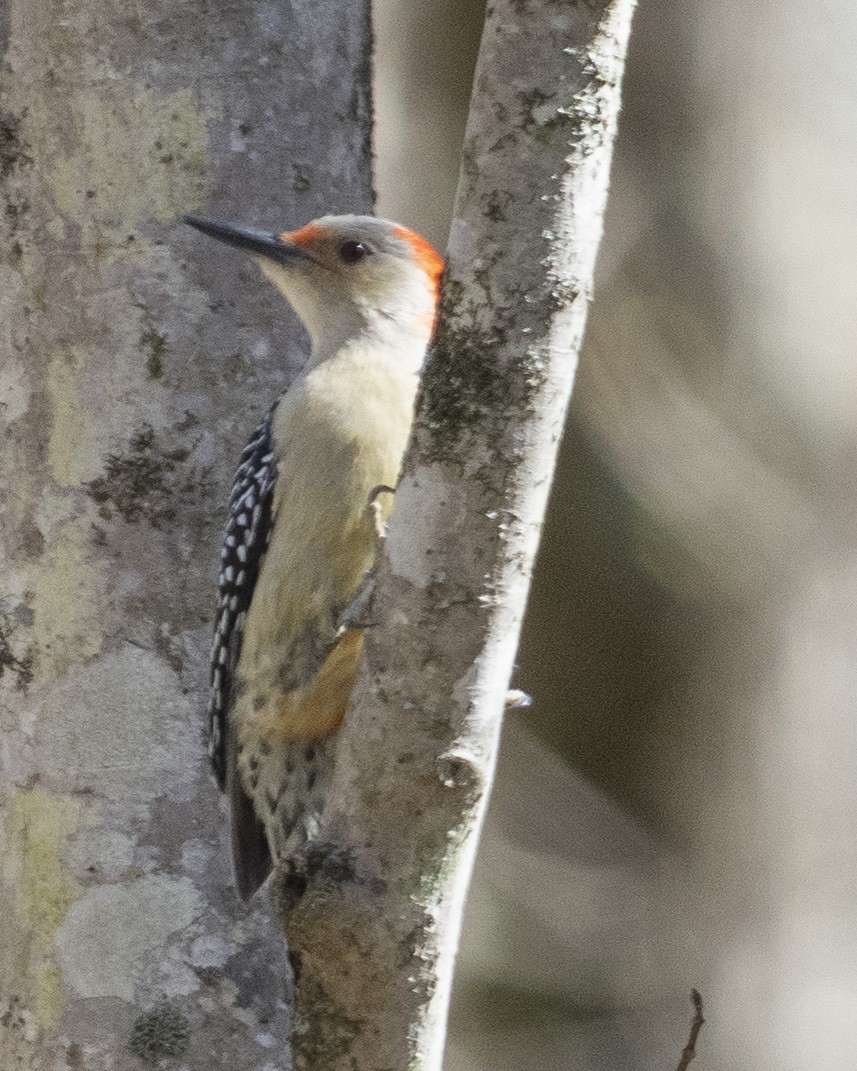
(134,360)
(374,936)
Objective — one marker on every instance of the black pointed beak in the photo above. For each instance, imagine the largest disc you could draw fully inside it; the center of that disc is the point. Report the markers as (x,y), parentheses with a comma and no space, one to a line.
(260,243)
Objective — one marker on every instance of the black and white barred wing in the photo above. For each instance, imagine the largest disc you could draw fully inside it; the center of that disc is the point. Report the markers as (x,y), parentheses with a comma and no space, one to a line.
(245,541)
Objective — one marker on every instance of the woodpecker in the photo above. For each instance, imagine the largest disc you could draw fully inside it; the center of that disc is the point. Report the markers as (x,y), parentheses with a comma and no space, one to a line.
(310,500)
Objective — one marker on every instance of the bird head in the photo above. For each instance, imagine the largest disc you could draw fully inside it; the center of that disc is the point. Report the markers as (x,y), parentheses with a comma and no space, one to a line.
(345,276)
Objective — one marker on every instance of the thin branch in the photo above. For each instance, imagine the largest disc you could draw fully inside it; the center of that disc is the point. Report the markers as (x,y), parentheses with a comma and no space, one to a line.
(696,1023)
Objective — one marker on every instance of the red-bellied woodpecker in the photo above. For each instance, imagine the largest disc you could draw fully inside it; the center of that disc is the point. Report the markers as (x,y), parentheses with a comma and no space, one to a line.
(311,496)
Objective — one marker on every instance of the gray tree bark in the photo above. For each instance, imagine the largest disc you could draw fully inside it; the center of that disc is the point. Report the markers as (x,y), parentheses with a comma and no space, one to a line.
(131,370)
(375,934)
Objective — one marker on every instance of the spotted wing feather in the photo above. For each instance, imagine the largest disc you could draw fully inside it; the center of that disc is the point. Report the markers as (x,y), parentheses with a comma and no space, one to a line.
(245,541)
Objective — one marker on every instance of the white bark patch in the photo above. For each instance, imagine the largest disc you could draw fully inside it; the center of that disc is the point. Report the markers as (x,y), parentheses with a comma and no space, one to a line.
(108,851)
(106,935)
(95,746)
(211,951)
(14,387)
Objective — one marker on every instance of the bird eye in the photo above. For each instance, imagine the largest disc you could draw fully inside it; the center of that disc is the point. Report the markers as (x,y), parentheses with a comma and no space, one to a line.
(352,252)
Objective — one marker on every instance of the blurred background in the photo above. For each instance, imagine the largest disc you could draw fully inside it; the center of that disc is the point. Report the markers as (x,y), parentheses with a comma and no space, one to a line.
(679,808)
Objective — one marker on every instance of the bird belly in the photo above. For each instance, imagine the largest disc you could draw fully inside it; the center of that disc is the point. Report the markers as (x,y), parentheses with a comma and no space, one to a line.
(337,445)
(313,710)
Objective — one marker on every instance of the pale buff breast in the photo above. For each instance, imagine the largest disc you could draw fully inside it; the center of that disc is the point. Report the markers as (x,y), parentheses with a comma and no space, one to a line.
(324,539)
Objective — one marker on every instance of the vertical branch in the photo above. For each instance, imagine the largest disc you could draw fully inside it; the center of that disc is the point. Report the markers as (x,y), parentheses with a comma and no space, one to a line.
(375,935)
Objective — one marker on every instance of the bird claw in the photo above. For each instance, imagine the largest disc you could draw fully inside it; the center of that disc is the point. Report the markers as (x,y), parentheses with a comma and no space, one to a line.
(378,520)
(376,511)
(356,613)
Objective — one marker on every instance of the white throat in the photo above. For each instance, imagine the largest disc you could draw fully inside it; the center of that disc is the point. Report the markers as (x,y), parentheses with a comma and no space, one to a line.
(335,320)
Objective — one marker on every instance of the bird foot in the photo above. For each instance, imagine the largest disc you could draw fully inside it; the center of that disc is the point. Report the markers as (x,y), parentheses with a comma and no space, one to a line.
(319,862)
(376,510)
(356,613)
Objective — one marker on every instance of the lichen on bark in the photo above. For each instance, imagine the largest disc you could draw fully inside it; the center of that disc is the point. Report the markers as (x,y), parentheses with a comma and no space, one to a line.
(128,385)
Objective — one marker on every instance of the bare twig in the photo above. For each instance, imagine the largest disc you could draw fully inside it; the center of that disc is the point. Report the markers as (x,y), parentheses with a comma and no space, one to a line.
(696,1022)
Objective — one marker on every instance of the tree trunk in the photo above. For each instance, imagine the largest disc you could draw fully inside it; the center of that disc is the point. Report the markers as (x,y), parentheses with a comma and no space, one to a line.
(374,936)
(132,368)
